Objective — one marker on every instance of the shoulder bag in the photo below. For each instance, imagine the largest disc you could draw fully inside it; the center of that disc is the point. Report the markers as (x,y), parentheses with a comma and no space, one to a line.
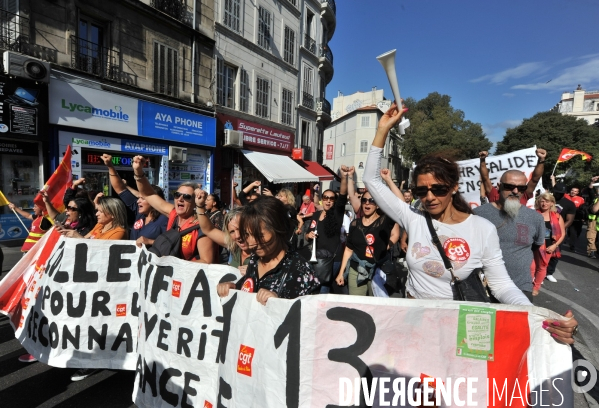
(472,289)
(169,243)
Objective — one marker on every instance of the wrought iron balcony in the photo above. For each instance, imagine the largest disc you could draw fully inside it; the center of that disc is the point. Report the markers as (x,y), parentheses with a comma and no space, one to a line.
(94,59)
(322,105)
(14,31)
(307,100)
(310,44)
(307,152)
(326,52)
(177,9)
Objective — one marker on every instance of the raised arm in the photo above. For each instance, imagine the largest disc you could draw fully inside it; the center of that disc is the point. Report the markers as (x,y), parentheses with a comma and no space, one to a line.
(352,196)
(236,200)
(537,172)
(208,229)
(115,180)
(386,176)
(485,181)
(22,213)
(52,212)
(145,188)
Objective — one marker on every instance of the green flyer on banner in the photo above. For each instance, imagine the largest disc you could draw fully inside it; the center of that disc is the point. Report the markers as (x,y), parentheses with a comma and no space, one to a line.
(476,332)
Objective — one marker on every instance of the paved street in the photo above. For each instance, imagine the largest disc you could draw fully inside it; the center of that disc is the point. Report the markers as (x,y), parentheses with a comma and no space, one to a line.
(577,289)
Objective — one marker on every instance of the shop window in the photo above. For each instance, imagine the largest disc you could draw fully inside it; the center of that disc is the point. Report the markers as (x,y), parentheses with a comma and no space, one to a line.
(289,46)
(166,70)
(262,96)
(264,28)
(287,107)
(226,74)
(244,90)
(232,14)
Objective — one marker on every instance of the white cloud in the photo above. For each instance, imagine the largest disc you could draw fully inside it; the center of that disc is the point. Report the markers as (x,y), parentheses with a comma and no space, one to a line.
(521,71)
(496,131)
(586,74)
(509,95)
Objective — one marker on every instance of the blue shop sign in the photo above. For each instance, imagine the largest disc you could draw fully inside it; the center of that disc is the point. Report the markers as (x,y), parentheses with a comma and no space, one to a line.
(143,148)
(163,122)
(11,227)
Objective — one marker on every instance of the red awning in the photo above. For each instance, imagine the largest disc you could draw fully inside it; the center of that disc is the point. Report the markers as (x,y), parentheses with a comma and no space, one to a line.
(323,173)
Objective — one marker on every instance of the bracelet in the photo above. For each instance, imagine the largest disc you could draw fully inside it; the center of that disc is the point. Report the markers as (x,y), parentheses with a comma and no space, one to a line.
(113,175)
(540,161)
(136,177)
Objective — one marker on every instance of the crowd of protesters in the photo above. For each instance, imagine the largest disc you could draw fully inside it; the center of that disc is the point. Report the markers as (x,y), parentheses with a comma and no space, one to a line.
(386,241)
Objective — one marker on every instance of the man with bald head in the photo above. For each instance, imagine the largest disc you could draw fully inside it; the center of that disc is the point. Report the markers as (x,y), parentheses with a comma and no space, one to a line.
(521,230)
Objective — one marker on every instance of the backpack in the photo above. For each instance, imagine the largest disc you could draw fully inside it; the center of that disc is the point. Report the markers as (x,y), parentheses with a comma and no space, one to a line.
(169,243)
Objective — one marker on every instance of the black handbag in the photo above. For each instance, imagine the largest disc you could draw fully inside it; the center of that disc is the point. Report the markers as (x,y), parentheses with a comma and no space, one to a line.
(169,243)
(472,289)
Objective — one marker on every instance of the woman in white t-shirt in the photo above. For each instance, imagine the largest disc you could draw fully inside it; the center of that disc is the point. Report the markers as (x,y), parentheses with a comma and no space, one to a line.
(469,241)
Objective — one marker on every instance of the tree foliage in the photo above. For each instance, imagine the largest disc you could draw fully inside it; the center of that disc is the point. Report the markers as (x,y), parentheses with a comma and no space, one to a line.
(553,131)
(437,127)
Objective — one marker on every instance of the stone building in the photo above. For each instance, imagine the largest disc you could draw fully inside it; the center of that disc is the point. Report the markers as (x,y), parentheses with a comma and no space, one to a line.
(581,104)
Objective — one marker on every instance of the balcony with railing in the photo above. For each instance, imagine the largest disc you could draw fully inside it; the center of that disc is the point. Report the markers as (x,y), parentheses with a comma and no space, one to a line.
(308,100)
(14,31)
(177,9)
(307,152)
(325,62)
(323,111)
(310,44)
(328,11)
(94,59)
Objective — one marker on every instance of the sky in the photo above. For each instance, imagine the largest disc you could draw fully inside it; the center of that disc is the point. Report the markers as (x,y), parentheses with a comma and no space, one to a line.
(500,61)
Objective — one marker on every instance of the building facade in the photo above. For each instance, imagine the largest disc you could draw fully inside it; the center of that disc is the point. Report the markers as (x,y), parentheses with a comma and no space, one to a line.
(581,104)
(121,77)
(272,65)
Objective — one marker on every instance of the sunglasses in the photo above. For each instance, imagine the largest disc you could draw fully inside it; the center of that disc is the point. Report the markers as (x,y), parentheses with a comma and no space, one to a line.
(186,197)
(329,198)
(511,187)
(75,209)
(438,190)
(367,200)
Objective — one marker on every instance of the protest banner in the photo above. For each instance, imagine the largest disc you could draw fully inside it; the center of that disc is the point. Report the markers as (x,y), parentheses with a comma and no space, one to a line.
(524,160)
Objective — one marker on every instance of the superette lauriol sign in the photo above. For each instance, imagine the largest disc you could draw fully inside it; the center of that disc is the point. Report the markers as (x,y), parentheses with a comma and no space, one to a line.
(83,107)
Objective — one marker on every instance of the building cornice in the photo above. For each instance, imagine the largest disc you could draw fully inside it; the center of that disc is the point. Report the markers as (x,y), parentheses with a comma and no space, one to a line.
(294,10)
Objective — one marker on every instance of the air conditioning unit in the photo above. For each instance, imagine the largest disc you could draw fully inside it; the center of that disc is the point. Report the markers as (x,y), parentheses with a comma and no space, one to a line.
(233,138)
(177,154)
(23,66)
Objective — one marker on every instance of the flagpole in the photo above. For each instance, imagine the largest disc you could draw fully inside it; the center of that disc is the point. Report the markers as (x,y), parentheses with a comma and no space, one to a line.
(20,220)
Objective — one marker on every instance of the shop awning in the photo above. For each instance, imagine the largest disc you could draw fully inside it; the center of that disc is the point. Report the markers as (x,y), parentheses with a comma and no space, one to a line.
(279,169)
(323,173)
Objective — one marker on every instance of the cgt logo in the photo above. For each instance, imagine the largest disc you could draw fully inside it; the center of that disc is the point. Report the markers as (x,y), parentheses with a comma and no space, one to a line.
(176,289)
(207,404)
(121,310)
(244,362)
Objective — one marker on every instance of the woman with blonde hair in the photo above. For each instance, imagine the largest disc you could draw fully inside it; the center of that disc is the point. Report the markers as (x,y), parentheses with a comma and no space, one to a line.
(554,235)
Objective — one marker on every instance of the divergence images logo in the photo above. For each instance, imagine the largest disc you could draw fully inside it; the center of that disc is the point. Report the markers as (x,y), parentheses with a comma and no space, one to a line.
(244,362)
(121,310)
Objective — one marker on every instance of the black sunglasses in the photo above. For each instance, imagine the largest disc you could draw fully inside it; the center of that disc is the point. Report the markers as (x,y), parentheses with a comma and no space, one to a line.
(329,198)
(367,200)
(511,187)
(186,197)
(438,190)
(72,208)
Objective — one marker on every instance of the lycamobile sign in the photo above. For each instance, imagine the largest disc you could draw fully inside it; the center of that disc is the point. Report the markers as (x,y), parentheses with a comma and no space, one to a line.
(113,114)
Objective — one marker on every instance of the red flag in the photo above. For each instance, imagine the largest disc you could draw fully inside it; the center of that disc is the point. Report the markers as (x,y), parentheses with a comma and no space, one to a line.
(58,183)
(568,153)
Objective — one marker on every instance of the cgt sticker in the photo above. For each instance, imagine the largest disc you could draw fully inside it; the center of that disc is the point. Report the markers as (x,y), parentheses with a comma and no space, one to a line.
(138,224)
(121,310)
(207,404)
(457,249)
(248,286)
(176,289)
(244,362)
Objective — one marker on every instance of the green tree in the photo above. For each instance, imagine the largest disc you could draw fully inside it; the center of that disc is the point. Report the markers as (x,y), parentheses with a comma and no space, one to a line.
(553,131)
(437,127)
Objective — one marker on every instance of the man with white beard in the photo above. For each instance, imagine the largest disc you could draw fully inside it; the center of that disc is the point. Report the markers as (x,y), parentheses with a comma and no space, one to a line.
(521,230)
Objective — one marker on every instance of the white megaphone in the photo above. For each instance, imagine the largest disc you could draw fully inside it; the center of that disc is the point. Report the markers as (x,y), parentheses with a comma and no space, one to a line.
(387,60)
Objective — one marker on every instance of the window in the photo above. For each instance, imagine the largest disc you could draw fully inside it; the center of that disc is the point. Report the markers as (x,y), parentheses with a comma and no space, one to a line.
(261,97)
(264,28)
(244,90)
(166,70)
(365,121)
(232,14)
(342,149)
(286,109)
(90,54)
(307,94)
(225,84)
(363,146)
(305,135)
(289,47)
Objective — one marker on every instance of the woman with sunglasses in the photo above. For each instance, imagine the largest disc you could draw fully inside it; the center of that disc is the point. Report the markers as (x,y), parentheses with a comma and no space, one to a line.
(149,223)
(469,241)
(182,215)
(367,245)
(79,214)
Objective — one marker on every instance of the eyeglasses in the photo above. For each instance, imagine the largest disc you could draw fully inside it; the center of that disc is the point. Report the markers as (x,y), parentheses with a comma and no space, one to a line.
(186,197)
(438,190)
(75,209)
(329,198)
(367,200)
(511,187)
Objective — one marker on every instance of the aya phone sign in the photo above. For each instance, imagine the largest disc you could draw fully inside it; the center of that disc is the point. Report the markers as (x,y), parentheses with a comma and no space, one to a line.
(255,134)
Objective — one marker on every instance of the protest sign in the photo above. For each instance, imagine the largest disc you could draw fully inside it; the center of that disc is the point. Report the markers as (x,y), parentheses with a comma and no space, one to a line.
(524,160)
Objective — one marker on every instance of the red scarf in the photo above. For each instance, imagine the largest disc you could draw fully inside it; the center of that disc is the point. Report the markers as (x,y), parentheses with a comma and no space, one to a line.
(556,232)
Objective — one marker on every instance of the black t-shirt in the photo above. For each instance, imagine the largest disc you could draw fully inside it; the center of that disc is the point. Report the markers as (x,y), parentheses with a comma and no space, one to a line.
(565,207)
(548,234)
(370,242)
(332,243)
